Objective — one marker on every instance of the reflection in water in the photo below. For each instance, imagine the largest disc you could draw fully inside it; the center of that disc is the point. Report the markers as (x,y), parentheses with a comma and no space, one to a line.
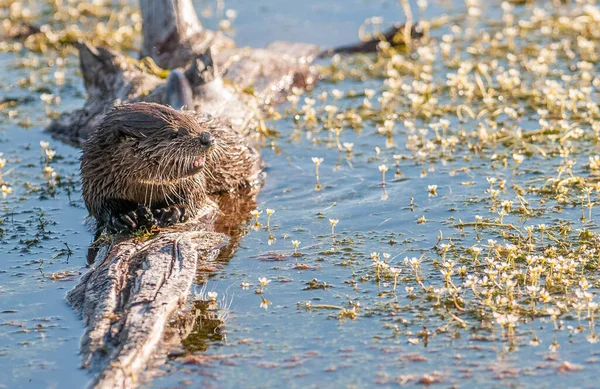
(206,327)
(234,214)
(204,317)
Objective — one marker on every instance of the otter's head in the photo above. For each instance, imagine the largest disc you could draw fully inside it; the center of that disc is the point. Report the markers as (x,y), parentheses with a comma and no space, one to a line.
(146,153)
(166,144)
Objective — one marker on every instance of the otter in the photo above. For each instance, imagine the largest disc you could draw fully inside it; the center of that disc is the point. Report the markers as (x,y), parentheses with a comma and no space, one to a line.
(148,164)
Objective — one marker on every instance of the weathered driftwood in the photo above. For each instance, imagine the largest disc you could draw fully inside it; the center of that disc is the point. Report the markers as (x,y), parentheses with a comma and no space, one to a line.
(135,287)
(134,298)
(173,34)
(241,81)
(128,298)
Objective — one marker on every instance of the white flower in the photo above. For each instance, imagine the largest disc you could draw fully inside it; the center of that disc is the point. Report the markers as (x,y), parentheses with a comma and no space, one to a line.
(231,14)
(60,77)
(50,153)
(507,205)
(432,190)
(225,24)
(331,109)
(519,158)
(388,125)
(265,304)
(369,93)
(46,97)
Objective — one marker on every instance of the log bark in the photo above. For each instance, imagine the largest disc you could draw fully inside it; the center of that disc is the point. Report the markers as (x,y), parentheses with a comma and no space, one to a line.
(128,299)
(172,33)
(134,300)
(395,36)
(129,296)
(241,82)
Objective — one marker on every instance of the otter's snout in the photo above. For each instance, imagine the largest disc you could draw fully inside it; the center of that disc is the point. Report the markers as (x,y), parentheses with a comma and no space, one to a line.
(206,139)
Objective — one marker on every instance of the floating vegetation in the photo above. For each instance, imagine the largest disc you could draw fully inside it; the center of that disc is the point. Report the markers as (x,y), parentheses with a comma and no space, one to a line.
(57,25)
(504,96)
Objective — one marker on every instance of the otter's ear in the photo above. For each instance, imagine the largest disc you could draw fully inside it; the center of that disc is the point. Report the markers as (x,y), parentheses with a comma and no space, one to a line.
(135,132)
(139,120)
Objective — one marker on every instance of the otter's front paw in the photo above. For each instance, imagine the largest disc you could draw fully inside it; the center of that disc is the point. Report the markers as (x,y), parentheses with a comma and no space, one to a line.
(170,215)
(131,221)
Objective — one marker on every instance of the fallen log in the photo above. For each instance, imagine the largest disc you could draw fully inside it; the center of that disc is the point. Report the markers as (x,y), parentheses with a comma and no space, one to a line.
(134,299)
(129,297)
(232,85)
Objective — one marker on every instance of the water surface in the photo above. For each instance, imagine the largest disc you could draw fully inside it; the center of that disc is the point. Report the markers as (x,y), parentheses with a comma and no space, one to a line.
(323,320)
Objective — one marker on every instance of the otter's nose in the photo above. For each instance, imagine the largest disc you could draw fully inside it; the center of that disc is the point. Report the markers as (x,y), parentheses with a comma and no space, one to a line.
(206,139)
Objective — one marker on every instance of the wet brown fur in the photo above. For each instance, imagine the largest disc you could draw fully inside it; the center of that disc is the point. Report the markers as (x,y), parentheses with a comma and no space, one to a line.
(142,154)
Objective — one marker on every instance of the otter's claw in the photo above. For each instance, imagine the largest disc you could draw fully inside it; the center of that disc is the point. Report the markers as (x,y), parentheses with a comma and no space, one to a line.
(144,216)
(122,223)
(170,215)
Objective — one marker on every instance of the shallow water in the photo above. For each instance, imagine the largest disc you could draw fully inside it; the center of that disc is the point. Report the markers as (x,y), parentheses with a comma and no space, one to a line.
(287,344)
(39,332)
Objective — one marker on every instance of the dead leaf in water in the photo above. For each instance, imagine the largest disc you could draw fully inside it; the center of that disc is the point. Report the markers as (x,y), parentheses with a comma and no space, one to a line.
(568,367)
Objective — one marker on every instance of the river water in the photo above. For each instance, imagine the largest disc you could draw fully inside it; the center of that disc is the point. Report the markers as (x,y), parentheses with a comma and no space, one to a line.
(323,319)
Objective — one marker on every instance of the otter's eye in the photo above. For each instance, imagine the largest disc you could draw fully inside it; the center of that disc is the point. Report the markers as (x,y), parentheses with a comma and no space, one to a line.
(173,135)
